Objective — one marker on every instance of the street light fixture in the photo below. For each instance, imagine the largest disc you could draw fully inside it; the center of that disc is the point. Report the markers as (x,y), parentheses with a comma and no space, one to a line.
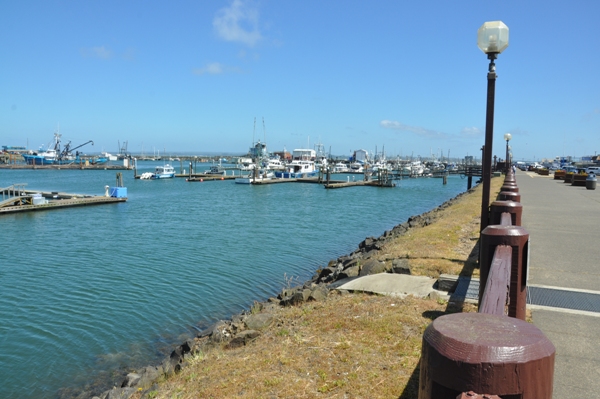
(492,39)
(507,137)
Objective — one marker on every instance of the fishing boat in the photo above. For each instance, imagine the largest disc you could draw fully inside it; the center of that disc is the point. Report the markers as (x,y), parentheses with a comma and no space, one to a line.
(55,155)
(302,165)
(163,172)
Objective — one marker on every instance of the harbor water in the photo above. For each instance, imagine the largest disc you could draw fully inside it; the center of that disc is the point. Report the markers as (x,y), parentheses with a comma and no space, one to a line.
(87,293)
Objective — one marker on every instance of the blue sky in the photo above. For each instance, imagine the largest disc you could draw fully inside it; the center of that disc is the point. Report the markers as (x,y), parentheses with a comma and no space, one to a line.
(193,75)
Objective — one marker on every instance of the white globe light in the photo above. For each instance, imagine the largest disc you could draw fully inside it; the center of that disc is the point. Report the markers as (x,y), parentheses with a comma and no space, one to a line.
(492,37)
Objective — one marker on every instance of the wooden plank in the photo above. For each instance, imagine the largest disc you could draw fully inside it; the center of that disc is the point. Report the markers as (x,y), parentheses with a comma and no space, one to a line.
(495,296)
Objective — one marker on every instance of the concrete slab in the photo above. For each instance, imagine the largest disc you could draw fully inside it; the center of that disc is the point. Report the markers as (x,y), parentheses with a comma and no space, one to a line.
(399,285)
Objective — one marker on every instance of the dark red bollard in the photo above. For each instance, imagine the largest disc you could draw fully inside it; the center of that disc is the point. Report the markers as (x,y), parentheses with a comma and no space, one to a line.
(509,196)
(517,238)
(485,353)
(514,208)
(509,187)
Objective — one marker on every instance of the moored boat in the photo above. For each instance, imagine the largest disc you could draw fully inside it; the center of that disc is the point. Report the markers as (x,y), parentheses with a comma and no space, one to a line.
(163,172)
(257,175)
(302,165)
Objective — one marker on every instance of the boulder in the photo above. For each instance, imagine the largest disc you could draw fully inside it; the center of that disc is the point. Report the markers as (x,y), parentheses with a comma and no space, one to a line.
(372,266)
(400,266)
(131,380)
(349,272)
(259,321)
(242,339)
(318,294)
(220,332)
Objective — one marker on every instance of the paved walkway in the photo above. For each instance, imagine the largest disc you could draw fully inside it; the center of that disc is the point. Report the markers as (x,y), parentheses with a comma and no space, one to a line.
(564,226)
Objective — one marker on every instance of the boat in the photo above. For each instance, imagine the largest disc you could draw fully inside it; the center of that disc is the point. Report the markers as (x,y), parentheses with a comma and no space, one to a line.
(302,165)
(163,172)
(340,167)
(257,175)
(273,163)
(54,155)
(215,170)
(356,167)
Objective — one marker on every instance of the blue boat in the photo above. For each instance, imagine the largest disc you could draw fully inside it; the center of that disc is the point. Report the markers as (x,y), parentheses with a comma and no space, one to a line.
(56,156)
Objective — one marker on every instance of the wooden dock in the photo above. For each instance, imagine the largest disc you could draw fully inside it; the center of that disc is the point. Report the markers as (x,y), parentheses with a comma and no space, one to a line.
(64,167)
(24,201)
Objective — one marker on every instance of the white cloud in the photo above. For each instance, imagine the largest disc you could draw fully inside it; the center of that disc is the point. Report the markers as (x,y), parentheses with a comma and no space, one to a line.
(238,23)
(215,68)
(419,131)
(469,132)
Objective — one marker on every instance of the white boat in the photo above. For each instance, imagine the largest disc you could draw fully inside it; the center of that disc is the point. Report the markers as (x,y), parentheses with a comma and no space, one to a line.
(302,165)
(340,167)
(298,169)
(109,156)
(258,175)
(273,163)
(163,172)
(356,167)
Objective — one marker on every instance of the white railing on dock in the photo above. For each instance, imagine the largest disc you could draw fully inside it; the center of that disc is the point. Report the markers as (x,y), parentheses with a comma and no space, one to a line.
(12,191)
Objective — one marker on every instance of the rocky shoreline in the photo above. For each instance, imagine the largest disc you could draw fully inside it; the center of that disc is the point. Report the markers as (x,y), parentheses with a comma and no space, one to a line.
(242,328)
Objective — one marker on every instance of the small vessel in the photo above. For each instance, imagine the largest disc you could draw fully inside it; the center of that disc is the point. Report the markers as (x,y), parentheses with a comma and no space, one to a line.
(340,167)
(163,172)
(215,170)
(257,175)
(273,163)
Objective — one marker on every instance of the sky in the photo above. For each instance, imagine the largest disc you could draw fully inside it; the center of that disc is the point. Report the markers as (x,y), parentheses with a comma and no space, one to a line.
(404,77)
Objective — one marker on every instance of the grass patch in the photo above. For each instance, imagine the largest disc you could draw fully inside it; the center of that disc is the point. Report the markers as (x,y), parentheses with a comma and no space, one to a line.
(449,244)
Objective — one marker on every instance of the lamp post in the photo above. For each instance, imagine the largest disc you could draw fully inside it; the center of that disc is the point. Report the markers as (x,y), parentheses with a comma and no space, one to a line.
(492,39)
(507,137)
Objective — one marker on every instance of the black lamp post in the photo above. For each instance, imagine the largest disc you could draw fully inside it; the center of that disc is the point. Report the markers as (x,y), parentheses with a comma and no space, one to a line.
(492,39)
(507,137)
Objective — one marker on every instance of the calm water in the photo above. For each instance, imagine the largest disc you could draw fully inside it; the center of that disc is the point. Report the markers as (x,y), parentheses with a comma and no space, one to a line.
(85,291)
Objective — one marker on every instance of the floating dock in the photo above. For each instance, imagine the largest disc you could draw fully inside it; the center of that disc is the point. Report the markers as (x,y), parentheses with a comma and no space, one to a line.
(16,199)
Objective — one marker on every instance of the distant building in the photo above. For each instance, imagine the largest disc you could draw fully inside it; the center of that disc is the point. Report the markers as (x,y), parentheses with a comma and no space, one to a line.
(13,149)
(469,160)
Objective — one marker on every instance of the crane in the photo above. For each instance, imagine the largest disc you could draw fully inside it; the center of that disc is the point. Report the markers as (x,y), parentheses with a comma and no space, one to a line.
(67,149)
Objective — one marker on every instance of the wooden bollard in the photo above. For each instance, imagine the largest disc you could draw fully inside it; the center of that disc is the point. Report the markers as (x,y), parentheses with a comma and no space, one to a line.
(514,208)
(509,196)
(517,238)
(485,353)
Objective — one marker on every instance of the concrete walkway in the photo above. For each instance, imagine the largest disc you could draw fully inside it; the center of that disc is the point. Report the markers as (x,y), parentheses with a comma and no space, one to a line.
(564,226)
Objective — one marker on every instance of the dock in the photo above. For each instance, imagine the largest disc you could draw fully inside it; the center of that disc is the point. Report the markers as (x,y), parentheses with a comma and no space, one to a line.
(16,199)
(371,183)
(65,167)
